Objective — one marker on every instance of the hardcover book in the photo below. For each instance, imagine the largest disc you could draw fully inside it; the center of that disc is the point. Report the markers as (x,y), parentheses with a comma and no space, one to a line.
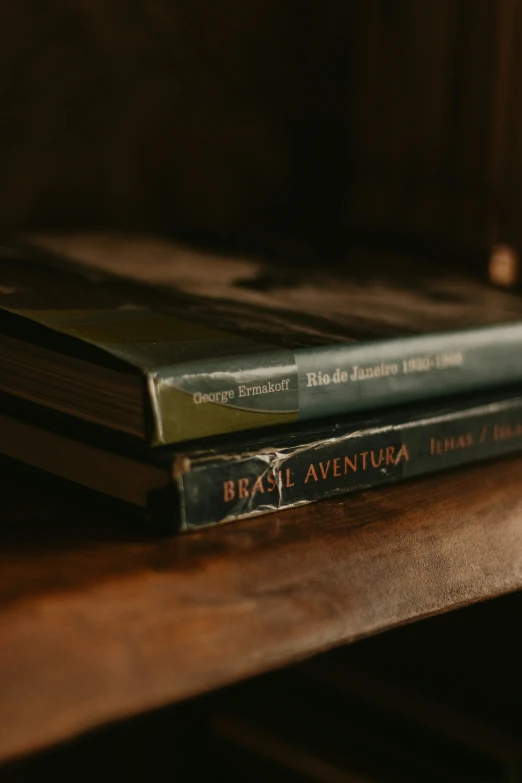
(169,344)
(227,479)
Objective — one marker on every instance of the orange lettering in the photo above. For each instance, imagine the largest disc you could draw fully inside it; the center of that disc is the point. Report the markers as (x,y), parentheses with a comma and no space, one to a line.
(390,455)
(337,466)
(229,492)
(242,486)
(403,454)
(381,456)
(324,471)
(271,482)
(311,473)
(289,482)
(349,464)
(258,486)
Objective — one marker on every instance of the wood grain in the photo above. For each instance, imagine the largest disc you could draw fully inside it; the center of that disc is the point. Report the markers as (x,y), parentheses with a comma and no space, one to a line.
(98,622)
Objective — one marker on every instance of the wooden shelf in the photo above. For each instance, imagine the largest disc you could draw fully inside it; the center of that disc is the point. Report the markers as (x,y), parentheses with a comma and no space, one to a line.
(98,622)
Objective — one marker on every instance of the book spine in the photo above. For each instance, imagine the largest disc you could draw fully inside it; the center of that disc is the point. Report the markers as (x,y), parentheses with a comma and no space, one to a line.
(229,487)
(214,396)
(365,376)
(257,390)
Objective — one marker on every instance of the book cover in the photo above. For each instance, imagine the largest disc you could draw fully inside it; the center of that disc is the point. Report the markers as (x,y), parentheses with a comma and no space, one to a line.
(225,344)
(227,479)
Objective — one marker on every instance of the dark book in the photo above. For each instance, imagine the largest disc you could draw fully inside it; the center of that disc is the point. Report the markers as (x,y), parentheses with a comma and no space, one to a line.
(219,345)
(228,479)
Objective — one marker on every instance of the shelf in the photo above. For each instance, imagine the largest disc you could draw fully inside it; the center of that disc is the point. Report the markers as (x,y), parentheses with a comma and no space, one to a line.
(98,621)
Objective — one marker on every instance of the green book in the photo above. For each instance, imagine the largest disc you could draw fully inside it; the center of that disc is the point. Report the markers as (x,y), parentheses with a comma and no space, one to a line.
(218,480)
(170,345)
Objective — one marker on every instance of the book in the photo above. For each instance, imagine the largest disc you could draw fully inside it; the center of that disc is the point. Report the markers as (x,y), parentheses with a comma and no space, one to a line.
(229,479)
(219,345)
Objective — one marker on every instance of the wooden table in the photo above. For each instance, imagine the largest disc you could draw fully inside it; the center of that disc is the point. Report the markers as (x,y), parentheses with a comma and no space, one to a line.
(99,621)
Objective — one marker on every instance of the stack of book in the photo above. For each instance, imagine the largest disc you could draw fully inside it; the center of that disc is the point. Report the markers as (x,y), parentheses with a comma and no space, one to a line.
(206,389)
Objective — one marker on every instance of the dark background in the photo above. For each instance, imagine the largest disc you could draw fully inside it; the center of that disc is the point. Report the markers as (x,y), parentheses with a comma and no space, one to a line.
(261,123)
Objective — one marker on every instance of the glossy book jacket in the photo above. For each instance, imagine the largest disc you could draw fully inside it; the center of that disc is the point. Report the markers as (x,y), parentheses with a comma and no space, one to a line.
(225,344)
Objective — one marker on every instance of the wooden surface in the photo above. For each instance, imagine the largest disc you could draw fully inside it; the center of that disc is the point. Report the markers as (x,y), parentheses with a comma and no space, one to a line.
(99,622)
